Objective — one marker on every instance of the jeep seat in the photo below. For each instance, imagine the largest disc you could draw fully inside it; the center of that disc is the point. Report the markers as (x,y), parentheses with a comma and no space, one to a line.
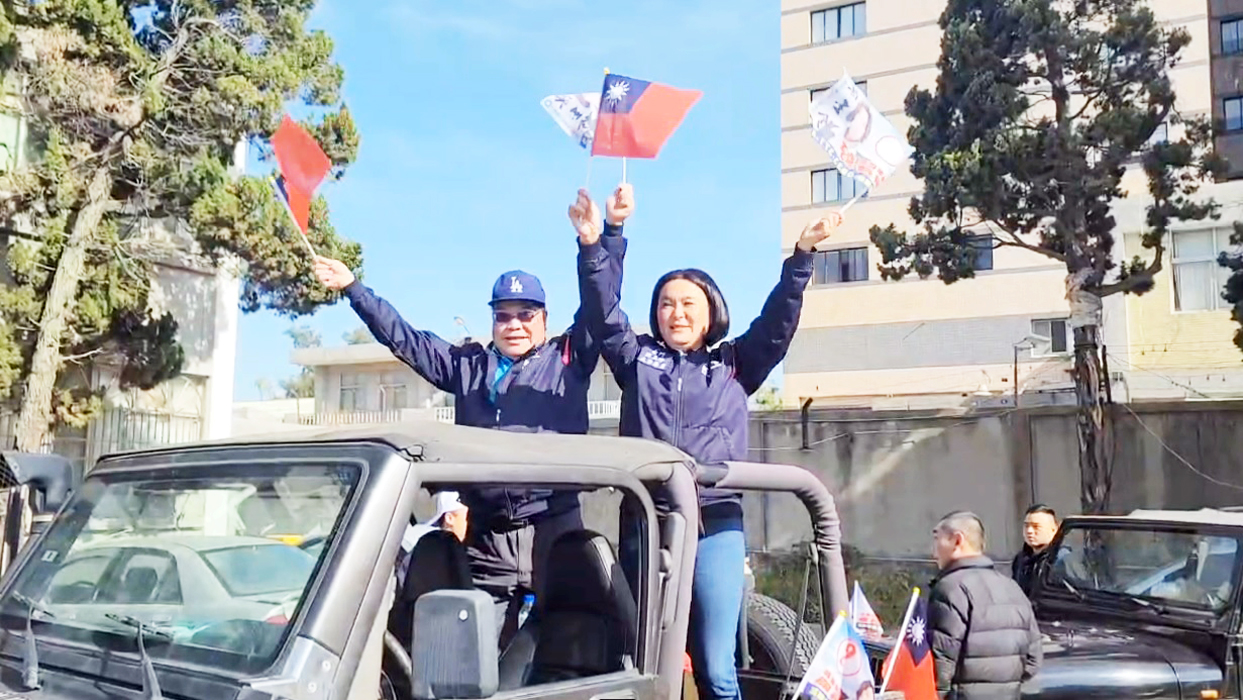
(438,562)
(585,622)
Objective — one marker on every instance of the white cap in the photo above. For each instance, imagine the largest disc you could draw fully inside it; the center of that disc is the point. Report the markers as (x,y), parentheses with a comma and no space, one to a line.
(446,502)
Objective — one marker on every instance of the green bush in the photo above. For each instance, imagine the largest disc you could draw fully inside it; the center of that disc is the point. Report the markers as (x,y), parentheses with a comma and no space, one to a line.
(887,585)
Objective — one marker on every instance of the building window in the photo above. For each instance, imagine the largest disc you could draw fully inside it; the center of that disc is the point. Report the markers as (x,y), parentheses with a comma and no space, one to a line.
(838,22)
(863,87)
(983,246)
(843,265)
(351,392)
(831,186)
(1198,279)
(1056,332)
(1232,37)
(393,392)
(1233,107)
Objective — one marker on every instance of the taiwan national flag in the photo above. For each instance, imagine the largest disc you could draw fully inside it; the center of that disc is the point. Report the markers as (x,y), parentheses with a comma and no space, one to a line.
(909,667)
(303,166)
(637,117)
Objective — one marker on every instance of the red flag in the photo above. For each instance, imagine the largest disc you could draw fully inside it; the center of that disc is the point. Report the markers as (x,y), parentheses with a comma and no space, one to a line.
(303,166)
(909,667)
(637,117)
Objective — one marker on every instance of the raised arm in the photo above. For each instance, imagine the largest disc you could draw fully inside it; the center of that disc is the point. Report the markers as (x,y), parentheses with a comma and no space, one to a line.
(765,343)
(426,353)
(599,284)
(584,351)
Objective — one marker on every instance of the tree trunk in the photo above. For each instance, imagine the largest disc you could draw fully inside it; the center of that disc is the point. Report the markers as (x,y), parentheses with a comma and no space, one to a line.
(35,419)
(1095,436)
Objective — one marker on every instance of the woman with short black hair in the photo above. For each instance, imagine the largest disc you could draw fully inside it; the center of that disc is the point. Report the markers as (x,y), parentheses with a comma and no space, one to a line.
(683,385)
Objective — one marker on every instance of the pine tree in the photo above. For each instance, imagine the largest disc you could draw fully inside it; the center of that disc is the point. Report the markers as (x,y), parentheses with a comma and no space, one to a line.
(135,111)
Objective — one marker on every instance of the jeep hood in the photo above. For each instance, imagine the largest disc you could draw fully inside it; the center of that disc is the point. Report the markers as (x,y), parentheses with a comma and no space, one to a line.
(1083,659)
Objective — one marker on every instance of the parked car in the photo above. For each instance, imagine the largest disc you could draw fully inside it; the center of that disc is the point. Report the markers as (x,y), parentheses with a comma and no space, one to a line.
(183,582)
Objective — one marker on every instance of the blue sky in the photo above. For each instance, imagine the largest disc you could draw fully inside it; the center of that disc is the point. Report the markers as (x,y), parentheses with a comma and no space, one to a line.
(461,175)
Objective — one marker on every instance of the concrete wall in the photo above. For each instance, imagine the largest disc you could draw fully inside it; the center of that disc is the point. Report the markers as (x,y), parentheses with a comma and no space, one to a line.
(895,473)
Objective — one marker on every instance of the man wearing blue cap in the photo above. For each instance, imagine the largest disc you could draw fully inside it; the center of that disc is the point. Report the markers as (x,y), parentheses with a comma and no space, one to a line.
(522,381)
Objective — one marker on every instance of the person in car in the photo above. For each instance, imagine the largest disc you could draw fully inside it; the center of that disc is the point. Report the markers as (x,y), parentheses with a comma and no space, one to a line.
(523,380)
(685,386)
(451,516)
(1039,529)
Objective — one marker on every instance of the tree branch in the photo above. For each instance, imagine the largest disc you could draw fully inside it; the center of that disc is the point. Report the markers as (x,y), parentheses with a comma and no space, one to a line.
(1017,242)
(1139,279)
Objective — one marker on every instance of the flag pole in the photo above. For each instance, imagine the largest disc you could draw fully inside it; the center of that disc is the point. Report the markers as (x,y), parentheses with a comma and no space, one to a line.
(906,620)
(297,227)
(623,170)
(849,204)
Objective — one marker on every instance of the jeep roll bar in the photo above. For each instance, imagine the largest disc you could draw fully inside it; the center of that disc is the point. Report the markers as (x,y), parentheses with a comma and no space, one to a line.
(826,526)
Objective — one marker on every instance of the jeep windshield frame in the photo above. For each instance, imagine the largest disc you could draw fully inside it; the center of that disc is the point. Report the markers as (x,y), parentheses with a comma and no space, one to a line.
(1178,573)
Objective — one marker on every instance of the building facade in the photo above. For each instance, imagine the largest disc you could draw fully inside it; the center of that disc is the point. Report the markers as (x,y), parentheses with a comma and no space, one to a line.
(864,341)
(365,383)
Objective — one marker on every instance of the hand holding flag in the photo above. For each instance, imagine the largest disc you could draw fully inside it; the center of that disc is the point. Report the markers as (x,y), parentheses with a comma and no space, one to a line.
(585,216)
(620,204)
(819,231)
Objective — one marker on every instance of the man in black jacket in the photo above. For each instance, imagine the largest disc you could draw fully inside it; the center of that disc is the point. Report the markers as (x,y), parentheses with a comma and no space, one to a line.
(1039,528)
(983,632)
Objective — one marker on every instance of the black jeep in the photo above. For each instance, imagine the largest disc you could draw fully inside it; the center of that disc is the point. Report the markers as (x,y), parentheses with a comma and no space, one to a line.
(1140,606)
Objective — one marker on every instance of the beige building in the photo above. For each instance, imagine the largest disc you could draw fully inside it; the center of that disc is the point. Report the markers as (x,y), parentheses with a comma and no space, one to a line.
(367,384)
(865,341)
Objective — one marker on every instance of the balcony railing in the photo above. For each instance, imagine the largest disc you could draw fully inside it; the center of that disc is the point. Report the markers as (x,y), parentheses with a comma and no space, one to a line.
(444,414)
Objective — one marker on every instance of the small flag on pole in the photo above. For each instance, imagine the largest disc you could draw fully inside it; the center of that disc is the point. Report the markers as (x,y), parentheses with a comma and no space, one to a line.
(303,166)
(840,669)
(637,116)
(860,141)
(864,617)
(909,667)
(575,114)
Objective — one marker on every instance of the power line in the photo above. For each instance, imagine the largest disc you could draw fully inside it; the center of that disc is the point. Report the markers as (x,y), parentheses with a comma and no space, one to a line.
(1177,456)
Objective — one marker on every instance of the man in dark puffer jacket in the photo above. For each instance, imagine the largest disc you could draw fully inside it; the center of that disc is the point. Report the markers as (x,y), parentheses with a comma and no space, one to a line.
(983,632)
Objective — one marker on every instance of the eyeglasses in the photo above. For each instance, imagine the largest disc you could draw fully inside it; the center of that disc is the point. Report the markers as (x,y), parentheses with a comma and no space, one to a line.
(524,316)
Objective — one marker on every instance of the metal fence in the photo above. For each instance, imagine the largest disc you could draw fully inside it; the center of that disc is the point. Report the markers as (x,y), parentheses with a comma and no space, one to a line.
(123,429)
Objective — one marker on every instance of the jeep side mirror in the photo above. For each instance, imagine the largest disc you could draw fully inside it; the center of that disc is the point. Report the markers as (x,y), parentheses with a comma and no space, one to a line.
(52,477)
(454,649)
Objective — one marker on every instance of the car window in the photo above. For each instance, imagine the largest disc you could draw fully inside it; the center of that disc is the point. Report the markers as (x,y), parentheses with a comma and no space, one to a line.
(145,577)
(78,579)
(260,569)
(1183,568)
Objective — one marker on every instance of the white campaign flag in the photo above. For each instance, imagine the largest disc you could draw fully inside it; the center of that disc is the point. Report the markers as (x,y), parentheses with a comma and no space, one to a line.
(575,114)
(861,142)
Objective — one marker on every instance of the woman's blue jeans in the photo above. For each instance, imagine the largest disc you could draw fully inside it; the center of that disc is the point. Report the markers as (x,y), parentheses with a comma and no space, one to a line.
(716,601)
(716,596)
